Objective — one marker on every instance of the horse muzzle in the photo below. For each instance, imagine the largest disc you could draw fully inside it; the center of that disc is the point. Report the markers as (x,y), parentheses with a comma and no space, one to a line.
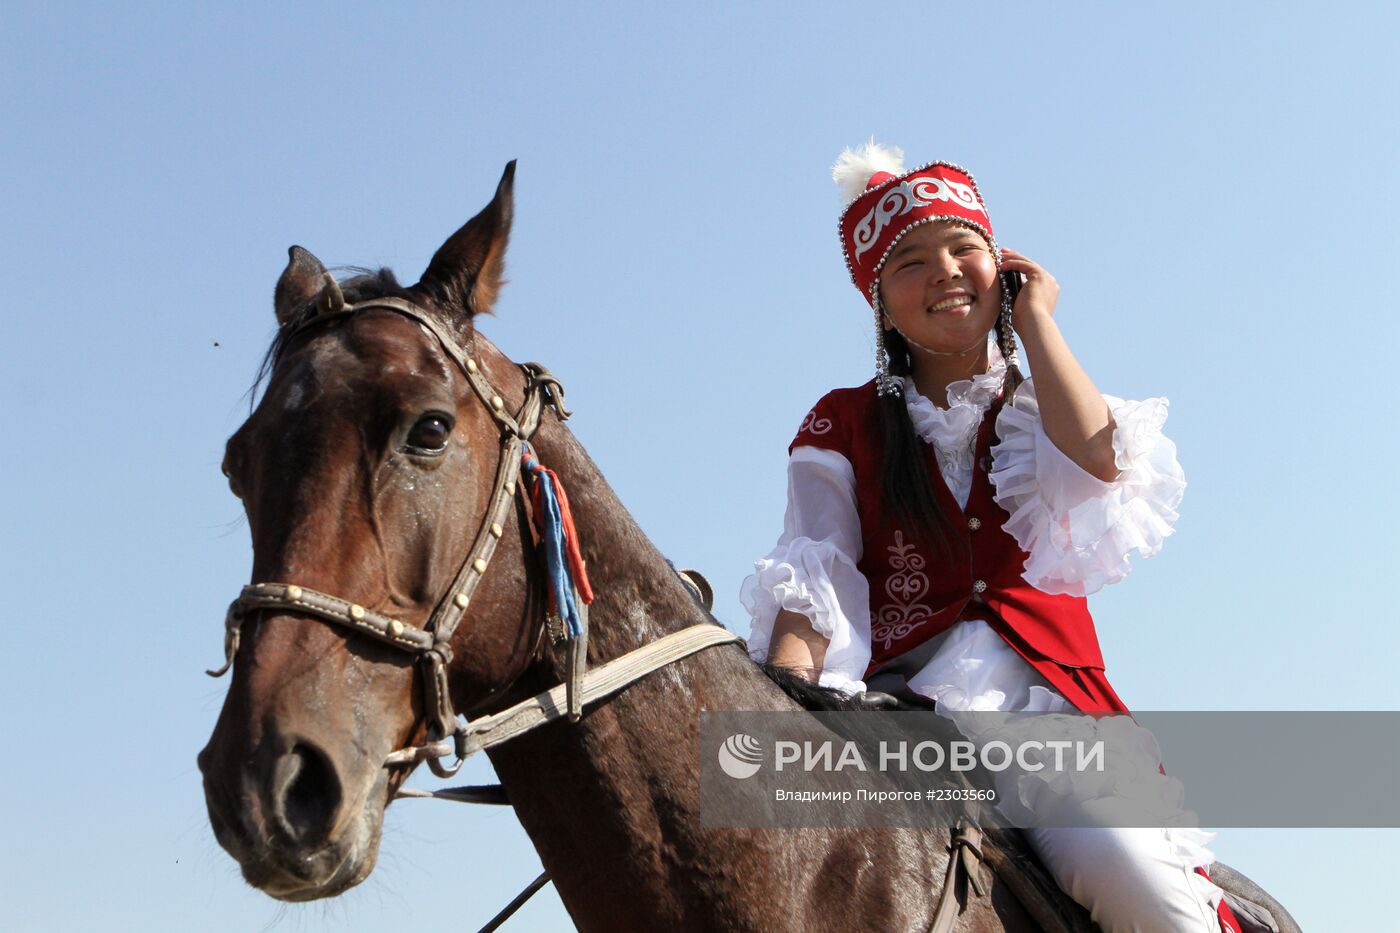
(290,824)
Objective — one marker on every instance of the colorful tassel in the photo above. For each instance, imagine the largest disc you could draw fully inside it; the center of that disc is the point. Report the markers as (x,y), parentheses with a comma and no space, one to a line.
(563,560)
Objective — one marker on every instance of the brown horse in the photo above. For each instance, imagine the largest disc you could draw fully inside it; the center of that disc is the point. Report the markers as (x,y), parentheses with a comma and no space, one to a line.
(365,471)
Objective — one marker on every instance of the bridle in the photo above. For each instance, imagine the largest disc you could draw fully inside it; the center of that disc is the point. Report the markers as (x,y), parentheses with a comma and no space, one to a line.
(430,645)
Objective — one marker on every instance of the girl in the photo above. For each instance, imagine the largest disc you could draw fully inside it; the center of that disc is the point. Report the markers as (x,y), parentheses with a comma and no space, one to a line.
(946,519)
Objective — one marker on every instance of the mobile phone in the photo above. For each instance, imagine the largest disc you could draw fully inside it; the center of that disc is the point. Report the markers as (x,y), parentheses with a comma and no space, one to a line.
(1011,282)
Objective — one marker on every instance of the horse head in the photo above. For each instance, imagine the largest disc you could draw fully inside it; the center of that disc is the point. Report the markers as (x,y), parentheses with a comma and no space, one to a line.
(365,471)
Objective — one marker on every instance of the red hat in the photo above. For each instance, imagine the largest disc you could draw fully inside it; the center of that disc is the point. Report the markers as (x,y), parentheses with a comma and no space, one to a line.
(887,202)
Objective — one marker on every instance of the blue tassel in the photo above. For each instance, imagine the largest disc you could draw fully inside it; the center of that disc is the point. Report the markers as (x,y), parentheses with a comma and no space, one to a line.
(552,533)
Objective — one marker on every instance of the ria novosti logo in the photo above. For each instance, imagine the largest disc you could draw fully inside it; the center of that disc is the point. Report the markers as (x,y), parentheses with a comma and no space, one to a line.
(740,756)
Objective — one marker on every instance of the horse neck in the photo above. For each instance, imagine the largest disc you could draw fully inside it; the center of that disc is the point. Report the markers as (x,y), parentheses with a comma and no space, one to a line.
(611,802)
(638,596)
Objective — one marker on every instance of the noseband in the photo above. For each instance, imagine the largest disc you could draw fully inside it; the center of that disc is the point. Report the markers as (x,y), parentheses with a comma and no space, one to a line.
(430,645)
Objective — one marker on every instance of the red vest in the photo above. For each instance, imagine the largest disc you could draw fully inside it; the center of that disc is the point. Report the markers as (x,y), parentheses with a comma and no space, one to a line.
(917,593)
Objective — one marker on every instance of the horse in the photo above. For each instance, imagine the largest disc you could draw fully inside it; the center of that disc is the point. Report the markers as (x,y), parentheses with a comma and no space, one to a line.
(364,467)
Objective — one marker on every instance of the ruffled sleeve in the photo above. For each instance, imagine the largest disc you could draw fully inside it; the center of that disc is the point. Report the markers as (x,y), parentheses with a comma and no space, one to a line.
(1078,530)
(812,569)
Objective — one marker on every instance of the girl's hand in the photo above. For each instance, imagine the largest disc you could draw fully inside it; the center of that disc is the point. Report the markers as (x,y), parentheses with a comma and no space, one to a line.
(1038,295)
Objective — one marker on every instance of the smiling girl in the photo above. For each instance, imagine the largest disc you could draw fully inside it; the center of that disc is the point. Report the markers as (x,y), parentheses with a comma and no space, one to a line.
(947,519)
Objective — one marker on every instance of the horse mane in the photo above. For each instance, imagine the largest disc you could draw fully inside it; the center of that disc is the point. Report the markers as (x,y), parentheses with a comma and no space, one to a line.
(357,284)
(826,699)
(807,694)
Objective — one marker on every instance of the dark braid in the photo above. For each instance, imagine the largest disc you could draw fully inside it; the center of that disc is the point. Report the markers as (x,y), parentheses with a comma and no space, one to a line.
(1006,343)
(905,484)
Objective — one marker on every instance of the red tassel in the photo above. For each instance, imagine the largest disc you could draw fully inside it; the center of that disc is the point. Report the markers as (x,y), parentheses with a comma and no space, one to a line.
(577,570)
(576,566)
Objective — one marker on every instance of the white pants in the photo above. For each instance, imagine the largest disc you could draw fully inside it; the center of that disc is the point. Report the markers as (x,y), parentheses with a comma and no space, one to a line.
(1128,879)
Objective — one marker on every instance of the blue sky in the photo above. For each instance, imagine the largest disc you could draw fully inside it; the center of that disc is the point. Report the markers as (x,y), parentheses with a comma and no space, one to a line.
(1212,184)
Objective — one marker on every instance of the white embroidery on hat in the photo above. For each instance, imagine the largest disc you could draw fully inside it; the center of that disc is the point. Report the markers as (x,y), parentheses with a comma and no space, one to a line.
(903,198)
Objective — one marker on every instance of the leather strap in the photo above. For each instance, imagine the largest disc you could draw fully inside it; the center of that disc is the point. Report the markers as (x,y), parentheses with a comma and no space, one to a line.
(965,858)
(600,682)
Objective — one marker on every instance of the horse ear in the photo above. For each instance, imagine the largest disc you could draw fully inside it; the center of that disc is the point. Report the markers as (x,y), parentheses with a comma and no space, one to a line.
(301,281)
(467,271)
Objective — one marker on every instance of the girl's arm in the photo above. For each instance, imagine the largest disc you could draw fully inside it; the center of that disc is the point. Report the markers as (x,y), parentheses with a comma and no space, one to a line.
(809,601)
(797,646)
(1072,411)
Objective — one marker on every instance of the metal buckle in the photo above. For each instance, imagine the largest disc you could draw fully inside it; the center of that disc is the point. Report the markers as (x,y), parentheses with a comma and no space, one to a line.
(435,764)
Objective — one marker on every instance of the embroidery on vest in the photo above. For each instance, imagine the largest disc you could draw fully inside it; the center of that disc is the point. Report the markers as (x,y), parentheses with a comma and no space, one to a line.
(905,587)
(814,425)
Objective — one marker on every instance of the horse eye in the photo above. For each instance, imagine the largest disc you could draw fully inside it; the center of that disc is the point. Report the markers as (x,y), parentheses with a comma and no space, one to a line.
(430,434)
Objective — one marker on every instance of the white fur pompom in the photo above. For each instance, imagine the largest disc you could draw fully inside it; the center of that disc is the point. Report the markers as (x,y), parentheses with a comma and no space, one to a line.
(854,167)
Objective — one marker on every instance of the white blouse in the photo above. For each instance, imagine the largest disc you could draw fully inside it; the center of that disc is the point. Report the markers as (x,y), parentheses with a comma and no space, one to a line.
(1079,533)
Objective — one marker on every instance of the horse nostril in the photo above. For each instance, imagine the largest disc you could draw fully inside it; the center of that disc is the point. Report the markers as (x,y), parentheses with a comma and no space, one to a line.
(308,792)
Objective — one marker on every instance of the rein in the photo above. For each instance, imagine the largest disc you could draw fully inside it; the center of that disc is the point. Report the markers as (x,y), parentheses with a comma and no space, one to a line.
(430,645)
